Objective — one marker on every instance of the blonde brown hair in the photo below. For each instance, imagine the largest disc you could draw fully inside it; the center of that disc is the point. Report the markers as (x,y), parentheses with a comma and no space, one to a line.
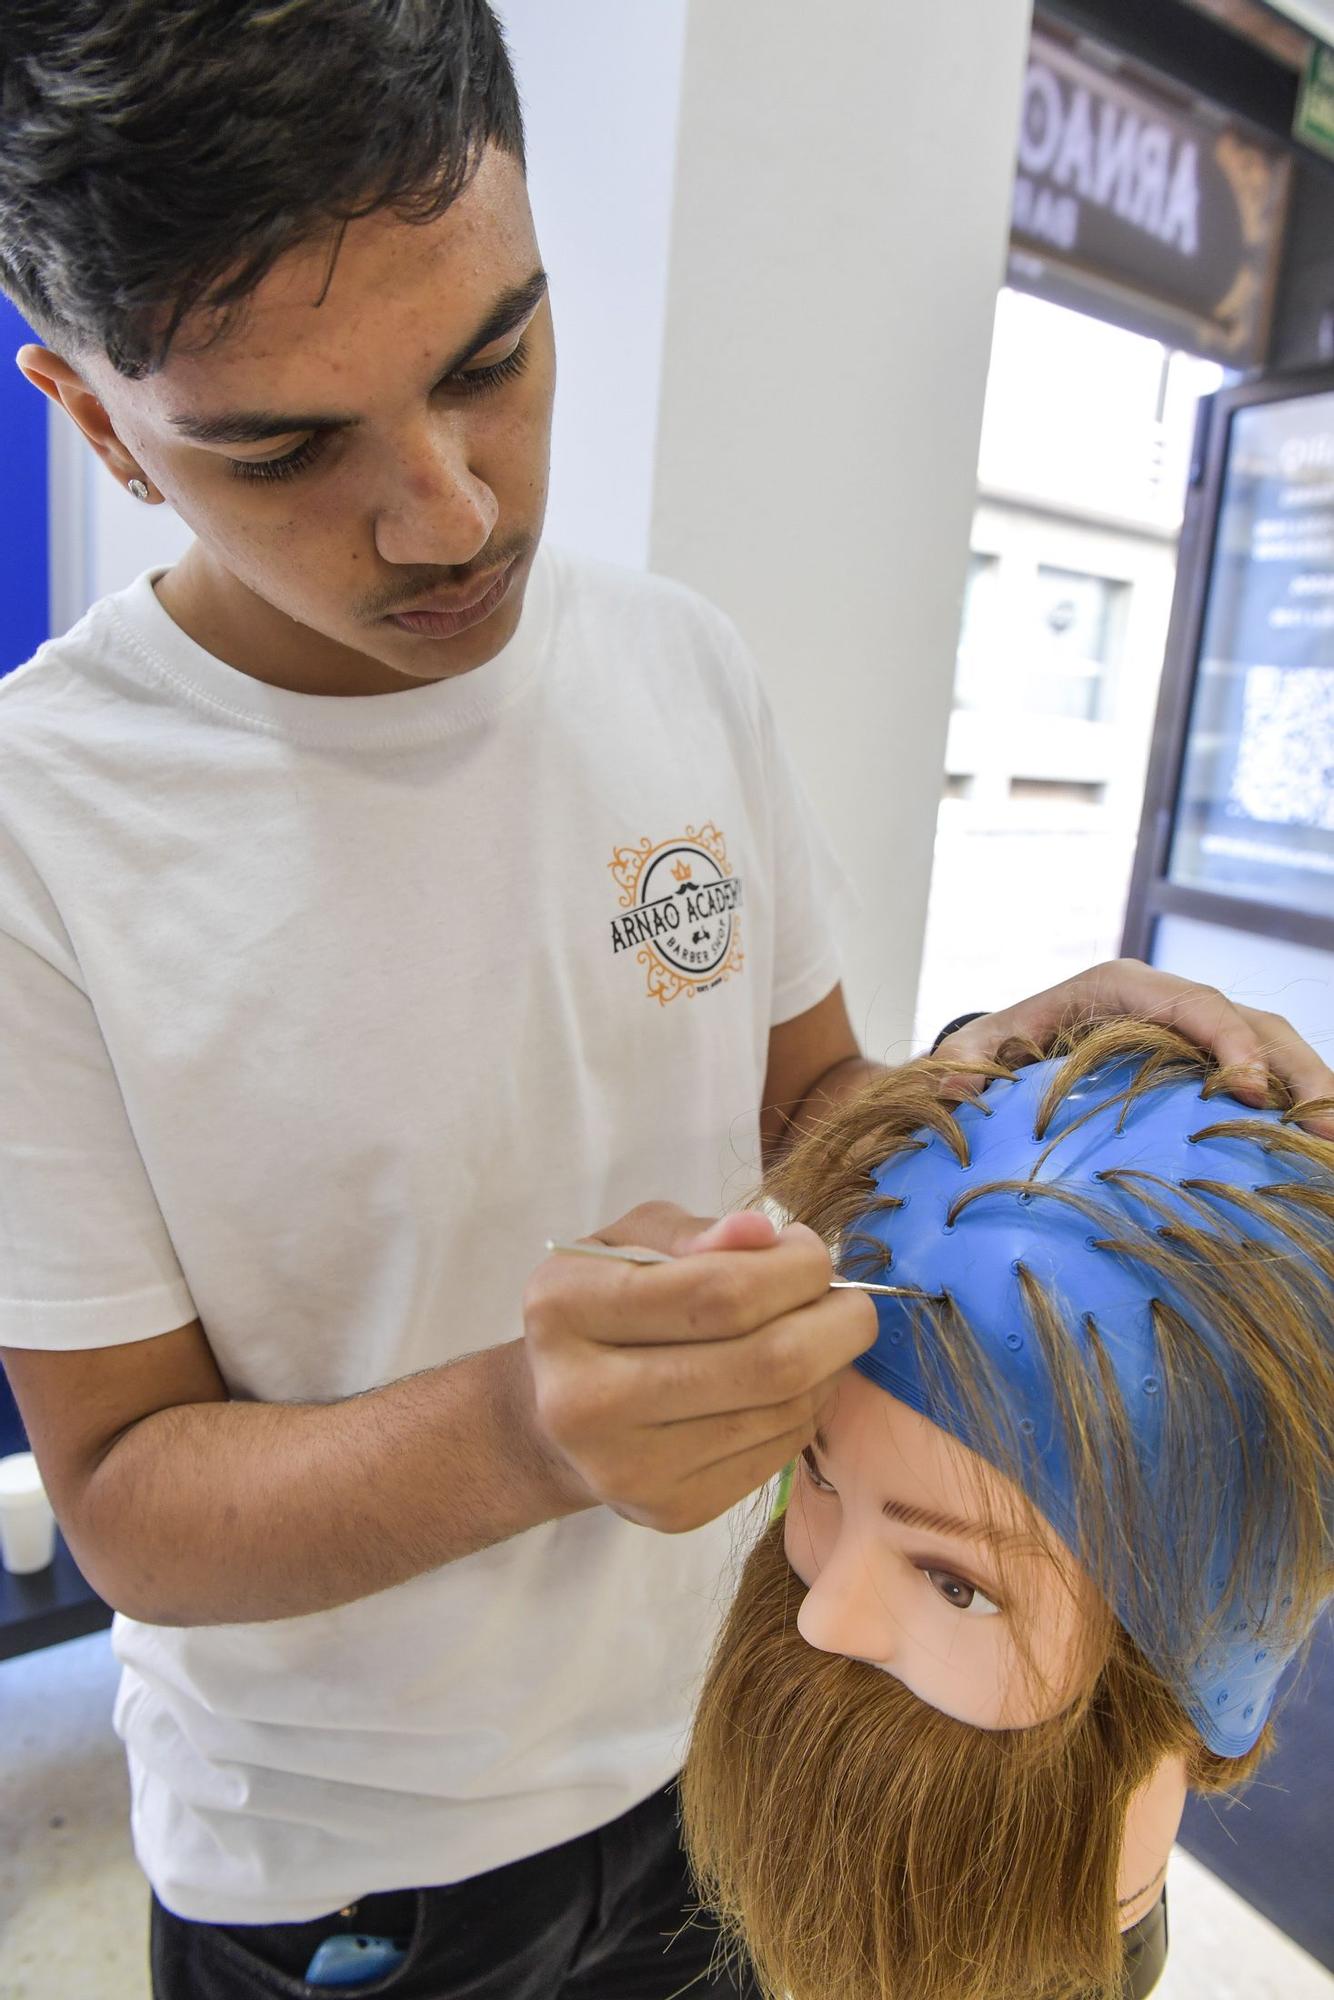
(863,1846)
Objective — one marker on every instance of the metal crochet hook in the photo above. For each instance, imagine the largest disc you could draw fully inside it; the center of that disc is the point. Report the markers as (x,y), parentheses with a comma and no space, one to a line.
(627,1255)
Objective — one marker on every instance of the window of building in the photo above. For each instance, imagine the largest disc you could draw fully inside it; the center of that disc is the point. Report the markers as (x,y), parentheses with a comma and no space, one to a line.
(1074,644)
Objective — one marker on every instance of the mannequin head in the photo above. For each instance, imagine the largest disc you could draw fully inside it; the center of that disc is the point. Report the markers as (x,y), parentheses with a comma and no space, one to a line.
(923,1560)
(1062,1522)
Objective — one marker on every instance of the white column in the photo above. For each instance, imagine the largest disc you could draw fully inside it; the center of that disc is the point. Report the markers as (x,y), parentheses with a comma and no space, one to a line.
(839,231)
(600,82)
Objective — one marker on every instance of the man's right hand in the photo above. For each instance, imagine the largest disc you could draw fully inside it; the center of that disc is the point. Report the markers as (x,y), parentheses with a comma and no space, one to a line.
(668,1392)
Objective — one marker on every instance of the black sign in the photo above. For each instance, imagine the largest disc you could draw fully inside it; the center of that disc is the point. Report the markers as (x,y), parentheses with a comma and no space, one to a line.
(1143,212)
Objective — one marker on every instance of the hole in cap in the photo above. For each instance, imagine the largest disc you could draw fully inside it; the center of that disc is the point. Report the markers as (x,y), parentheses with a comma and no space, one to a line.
(1220,1697)
(1150,1385)
(1014,1341)
(1027,1426)
(1248,1711)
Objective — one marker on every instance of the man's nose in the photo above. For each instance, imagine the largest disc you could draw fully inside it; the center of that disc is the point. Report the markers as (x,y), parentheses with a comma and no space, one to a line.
(439,512)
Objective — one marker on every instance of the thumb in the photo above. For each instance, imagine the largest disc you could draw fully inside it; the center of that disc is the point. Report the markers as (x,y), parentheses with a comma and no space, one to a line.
(746,1230)
(661,1225)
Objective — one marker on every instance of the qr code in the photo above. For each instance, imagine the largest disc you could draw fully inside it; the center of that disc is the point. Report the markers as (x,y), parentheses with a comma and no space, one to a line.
(1285,761)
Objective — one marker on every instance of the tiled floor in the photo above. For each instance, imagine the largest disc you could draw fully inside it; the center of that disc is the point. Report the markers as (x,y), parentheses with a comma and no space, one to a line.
(1222,1950)
(73,1906)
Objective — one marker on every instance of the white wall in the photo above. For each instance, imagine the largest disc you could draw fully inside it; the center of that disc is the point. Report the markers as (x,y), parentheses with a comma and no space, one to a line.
(101,536)
(128,535)
(601,84)
(842,209)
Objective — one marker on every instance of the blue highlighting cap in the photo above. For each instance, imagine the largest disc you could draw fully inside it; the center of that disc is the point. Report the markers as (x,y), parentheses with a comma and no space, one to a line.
(1229,1689)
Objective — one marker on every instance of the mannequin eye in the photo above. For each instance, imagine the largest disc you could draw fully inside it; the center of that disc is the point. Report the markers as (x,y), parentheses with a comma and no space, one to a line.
(962,1595)
(820,1484)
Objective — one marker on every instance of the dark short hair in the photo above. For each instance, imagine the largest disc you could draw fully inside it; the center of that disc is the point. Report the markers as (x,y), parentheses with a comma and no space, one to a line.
(159,156)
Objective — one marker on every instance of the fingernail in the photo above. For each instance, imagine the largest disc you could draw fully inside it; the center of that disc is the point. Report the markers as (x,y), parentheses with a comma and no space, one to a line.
(708,1237)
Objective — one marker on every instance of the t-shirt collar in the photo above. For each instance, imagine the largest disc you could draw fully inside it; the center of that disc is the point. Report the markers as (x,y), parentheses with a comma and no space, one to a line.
(412,714)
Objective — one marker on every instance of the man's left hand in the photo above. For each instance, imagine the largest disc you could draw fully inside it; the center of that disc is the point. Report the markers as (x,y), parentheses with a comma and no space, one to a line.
(1242,1039)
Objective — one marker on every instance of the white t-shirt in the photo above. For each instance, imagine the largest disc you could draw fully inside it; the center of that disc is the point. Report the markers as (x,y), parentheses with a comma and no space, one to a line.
(319,1016)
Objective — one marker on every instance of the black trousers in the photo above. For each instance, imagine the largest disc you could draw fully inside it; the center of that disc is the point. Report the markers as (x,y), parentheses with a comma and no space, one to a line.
(1144,1948)
(609,1916)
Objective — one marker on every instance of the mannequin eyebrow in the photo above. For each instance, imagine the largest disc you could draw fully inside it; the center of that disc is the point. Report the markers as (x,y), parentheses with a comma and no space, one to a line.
(925,1517)
(942,1524)
(514,306)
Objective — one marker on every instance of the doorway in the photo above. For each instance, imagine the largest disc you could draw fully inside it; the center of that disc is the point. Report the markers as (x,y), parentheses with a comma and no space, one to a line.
(1082,477)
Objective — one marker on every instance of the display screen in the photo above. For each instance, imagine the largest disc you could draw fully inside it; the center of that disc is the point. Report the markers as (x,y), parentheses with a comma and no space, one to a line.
(1255,809)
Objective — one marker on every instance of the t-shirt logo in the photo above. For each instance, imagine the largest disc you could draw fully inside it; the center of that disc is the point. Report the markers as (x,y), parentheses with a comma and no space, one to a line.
(681,907)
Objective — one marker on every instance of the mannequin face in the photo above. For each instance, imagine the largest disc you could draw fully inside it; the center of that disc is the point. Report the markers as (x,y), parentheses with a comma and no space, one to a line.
(922,1560)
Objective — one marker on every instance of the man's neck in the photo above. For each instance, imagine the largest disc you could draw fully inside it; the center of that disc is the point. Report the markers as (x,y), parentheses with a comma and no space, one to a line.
(218,611)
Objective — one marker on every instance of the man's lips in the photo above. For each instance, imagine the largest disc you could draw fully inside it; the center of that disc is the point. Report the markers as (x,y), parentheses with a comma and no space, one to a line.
(442,617)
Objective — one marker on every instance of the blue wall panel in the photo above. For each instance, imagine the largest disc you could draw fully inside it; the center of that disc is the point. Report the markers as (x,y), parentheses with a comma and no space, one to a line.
(23,577)
(24,553)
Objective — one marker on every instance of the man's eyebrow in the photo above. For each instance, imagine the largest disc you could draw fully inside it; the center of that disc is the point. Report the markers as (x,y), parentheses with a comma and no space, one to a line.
(253,426)
(923,1517)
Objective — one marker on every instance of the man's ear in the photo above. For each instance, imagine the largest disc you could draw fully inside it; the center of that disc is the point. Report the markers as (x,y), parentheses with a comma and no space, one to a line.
(62,382)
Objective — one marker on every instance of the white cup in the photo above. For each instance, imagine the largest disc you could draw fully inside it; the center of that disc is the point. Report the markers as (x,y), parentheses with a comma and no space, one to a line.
(27,1525)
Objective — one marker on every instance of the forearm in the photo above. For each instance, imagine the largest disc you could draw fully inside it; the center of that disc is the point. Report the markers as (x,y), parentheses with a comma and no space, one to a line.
(232,1512)
(841,1081)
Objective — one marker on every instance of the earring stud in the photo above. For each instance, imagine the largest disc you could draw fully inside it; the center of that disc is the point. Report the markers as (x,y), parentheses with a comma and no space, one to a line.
(139,490)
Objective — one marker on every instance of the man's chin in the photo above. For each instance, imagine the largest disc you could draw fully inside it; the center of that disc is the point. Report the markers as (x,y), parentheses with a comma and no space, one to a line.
(436,656)
(422,656)
(240,621)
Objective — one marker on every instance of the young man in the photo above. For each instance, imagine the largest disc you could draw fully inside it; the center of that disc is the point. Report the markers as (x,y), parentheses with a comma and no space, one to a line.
(381,895)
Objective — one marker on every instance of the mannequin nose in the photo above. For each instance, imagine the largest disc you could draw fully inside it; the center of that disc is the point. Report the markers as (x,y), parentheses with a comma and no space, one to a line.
(846,1610)
(441,513)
